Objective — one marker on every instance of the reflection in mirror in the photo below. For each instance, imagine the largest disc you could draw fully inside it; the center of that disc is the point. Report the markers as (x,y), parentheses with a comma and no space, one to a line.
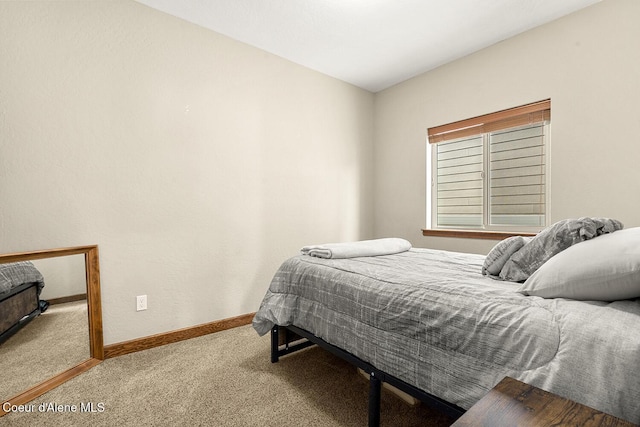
(55,340)
(64,293)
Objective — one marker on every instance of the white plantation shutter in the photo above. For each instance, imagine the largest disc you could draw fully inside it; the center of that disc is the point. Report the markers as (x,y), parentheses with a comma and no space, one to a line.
(517,176)
(489,171)
(460,186)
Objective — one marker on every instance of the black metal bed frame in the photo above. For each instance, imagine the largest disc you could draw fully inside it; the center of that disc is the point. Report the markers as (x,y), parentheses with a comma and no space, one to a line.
(376,376)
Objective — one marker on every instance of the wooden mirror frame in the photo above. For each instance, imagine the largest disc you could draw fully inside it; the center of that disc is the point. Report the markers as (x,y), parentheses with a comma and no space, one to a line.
(94,309)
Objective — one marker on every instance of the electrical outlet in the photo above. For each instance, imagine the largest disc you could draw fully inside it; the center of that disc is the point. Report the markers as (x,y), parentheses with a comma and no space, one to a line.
(141,302)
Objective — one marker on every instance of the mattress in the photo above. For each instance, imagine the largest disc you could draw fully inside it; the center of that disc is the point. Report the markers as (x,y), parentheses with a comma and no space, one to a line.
(17,273)
(431,319)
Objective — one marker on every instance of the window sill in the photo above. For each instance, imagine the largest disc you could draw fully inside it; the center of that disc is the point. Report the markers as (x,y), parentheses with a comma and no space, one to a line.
(473,234)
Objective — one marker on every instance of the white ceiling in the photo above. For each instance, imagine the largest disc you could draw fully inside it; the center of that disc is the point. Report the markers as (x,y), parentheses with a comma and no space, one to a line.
(372,44)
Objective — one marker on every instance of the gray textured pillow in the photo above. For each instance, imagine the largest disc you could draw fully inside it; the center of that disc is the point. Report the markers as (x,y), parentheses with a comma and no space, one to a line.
(500,253)
(551,241)
(606,268)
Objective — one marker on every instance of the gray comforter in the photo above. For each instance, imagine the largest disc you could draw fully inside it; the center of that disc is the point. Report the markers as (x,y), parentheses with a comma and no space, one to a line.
(17,273)
(431,319)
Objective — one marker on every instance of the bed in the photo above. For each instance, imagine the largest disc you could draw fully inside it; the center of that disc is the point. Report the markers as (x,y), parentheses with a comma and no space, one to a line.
(439,326)
(20,287)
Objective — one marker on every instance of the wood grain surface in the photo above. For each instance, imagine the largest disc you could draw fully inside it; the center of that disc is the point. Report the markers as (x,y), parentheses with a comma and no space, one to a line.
(513,403)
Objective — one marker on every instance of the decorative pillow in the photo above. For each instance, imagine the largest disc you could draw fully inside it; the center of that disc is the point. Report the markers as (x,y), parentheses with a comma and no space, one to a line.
(606,268)
(500,253)
(551,241)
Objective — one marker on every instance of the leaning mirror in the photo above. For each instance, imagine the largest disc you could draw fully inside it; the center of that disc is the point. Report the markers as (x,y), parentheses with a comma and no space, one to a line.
(50,319)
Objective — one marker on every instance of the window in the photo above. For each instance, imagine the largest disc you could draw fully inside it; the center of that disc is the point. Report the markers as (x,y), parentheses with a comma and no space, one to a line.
(490,172)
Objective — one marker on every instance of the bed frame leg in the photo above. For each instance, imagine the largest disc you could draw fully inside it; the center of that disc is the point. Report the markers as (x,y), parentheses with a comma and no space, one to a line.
(374,400)
(274,344)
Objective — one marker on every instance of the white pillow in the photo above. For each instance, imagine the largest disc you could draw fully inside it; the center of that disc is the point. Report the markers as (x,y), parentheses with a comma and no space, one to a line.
(605,268)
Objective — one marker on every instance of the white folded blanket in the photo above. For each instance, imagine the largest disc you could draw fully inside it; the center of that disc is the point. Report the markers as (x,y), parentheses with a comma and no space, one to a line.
(386,246)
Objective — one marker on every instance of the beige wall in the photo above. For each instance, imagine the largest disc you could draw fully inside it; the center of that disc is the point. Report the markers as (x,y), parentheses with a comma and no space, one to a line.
(63,276)
(588,63)
(196,163)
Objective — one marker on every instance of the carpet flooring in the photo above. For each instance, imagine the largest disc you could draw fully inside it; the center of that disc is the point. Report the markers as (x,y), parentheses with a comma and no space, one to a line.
(221,379)
(51,343)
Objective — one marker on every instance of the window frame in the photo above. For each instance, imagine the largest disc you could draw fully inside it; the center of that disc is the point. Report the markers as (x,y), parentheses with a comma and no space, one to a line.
(529,114)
